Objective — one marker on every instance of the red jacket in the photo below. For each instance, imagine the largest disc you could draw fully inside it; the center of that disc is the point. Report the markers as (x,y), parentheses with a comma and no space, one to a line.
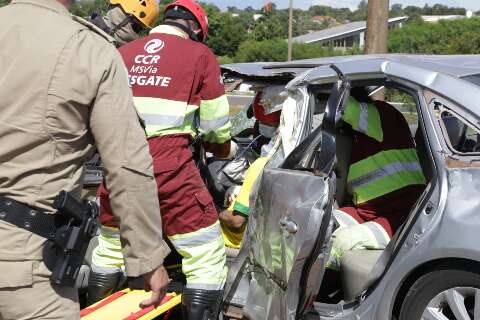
(172,77)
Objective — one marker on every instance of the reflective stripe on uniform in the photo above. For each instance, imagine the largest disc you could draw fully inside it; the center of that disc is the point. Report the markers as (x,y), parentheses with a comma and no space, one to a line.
(214,124)
(363,121)
(344,219)
(205,286)
(164,117)
(204,258)
(364,118)
(384,172)
(108,253)
(215,120)
(163,120)
(197,238)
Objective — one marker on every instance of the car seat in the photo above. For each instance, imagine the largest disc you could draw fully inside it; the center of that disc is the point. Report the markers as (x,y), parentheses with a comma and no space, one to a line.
(355,269)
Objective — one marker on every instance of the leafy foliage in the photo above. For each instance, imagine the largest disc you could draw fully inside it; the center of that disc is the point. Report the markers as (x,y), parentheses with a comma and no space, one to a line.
(255,35)
(225,31)
(444,37)
(85,8)
(276,50)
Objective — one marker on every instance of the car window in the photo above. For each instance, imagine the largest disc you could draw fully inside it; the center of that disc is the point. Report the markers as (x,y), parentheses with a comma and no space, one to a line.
(404,103)
(320,101)
(462,137)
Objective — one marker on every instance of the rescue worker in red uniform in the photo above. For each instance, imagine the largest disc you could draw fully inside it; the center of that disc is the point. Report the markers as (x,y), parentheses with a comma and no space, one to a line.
(175,80)
(385,179)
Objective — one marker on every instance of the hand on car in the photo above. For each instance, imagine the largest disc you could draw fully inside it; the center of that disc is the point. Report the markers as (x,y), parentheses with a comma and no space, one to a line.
(156,281)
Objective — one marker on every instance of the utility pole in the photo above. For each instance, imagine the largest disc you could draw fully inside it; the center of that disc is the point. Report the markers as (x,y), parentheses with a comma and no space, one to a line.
(377,27)
(377,32)
(290,31)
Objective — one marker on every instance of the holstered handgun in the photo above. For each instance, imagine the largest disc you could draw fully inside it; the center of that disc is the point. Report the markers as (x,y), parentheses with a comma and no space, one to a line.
(64,253)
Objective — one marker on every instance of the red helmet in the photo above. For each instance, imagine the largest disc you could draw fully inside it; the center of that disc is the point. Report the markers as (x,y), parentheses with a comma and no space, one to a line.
(197,11)
(271,119)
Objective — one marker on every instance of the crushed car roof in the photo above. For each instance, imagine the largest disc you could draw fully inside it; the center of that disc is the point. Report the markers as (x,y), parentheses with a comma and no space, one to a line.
(454,65)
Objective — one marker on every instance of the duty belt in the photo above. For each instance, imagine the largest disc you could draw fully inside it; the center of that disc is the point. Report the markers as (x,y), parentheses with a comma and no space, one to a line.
(28,218)
(68,232)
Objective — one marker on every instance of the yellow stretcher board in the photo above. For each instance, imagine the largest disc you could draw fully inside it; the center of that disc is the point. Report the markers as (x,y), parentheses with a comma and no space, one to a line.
(124,305)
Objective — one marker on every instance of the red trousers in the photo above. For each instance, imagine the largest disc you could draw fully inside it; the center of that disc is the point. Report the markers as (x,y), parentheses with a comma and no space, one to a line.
(185,203)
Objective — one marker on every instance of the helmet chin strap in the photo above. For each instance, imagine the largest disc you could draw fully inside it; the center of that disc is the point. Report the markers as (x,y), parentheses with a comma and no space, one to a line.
(187,30)
(122,24)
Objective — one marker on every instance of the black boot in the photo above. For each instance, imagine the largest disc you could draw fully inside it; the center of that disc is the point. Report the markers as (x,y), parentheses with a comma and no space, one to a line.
(101,285)
(200,304)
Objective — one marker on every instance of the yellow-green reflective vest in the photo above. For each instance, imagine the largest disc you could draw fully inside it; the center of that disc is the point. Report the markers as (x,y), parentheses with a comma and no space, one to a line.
(364,118)
(385,171)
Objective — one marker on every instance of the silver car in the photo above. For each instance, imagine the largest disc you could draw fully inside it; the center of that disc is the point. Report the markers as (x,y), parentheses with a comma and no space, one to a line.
(431,267)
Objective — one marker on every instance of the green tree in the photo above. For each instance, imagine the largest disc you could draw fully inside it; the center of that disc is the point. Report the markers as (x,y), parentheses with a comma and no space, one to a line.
(269,27)
(276,50)
(225,31)
(361,12)
(225,60)
(396,10)
(444,37)
(267,50)
(86,8)
(4,2)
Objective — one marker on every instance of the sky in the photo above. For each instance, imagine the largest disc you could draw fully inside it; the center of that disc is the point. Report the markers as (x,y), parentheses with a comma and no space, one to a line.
(352,4)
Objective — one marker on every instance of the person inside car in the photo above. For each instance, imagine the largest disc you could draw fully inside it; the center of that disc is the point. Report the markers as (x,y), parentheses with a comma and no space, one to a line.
(384,180)
(234,220)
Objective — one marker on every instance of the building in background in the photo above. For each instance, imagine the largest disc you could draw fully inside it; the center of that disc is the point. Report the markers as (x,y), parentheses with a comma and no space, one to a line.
(346,35)
(433,19)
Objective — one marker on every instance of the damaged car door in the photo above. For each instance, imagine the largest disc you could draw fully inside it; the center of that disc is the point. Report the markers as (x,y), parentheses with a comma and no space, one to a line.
(291,224)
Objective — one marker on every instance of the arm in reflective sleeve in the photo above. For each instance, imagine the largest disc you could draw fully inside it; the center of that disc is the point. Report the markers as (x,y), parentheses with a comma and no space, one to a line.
(215,123)
(215,120)
(122,144)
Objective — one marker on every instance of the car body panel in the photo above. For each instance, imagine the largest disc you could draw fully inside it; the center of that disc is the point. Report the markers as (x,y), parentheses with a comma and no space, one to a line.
(284,223)
(454,65)
(444,224)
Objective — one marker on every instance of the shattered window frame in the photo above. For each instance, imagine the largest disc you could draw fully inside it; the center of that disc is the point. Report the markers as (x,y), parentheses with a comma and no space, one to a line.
(438,106)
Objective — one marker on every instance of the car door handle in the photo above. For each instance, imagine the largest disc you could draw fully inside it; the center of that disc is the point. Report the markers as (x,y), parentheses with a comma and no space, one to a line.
(289,225)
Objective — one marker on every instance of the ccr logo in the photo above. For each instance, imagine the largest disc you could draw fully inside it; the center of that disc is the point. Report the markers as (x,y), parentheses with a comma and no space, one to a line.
(154,45)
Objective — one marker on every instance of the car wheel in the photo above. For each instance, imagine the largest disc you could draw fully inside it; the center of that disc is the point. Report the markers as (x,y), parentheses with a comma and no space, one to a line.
(443,295)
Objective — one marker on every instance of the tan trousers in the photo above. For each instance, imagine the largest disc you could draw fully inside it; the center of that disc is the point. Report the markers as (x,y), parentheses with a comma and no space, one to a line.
(27,293)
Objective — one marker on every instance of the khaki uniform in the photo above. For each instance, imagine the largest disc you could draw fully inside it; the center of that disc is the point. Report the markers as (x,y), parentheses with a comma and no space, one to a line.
(64,88)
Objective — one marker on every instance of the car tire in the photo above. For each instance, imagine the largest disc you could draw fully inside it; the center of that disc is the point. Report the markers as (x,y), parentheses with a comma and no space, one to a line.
(434,296)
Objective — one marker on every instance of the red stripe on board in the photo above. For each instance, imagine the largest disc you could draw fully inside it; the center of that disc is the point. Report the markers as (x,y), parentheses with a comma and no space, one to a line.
(141,313)
(101,304)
